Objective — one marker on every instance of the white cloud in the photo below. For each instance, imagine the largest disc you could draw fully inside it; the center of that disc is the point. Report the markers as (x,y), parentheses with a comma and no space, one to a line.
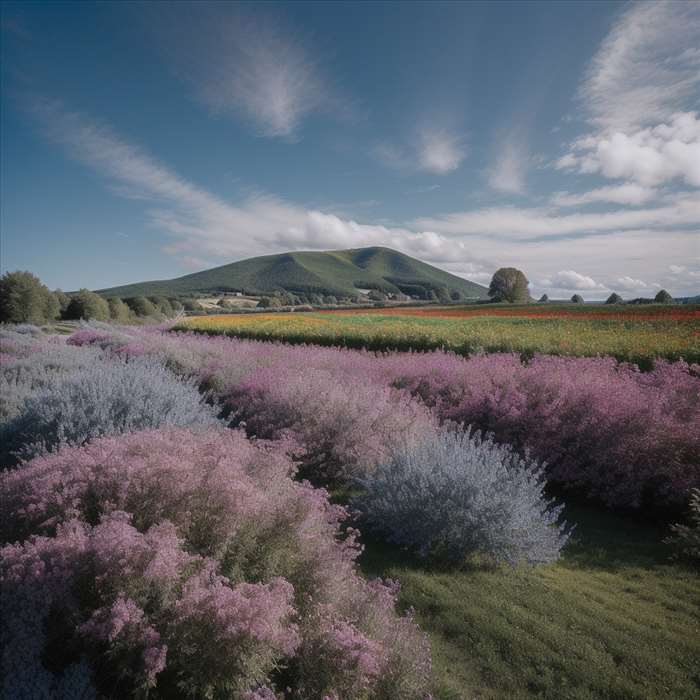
(244,63)
(203,226)
(646,66)
(567,162)
(628,283)
(508,173)
(509,223)
(571,280)
(439,151)
(434,150)
(640,92)
(649,156)
(629,193)
(677,269)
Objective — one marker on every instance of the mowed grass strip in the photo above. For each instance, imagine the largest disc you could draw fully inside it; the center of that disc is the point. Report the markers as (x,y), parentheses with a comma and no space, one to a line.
(613,619)
(626,339)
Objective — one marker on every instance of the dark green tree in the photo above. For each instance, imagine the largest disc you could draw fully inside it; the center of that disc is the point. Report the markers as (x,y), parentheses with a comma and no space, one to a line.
(141,306)
(614,298)
(443,295)
(24,299)
(663,297)
(63,300)
(544,299)
(162,304)
(509,284)
(87,305)
(119,312)
(577,299)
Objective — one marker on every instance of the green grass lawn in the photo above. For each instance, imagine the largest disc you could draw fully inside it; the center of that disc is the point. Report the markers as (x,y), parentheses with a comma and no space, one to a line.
(613,619)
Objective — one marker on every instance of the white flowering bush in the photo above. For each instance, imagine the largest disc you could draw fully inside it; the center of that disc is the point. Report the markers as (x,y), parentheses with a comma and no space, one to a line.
(458,494)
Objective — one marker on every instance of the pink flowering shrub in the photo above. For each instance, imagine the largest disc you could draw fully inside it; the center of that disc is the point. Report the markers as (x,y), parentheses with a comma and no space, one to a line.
(623,436)
(180,564)
(342,429)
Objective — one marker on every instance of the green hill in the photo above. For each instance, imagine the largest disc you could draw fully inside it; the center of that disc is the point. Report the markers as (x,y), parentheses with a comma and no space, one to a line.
(338,272)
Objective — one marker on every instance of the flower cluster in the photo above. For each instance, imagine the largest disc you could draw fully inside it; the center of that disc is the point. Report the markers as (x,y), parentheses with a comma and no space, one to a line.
(625,437)
(190,563)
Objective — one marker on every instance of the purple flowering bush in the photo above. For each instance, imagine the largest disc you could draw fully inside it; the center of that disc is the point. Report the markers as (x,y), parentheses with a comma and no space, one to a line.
(625,437)
(179,563)
(342,429)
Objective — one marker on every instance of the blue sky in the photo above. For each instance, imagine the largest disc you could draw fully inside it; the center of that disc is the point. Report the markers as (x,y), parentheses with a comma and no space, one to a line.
(147,140)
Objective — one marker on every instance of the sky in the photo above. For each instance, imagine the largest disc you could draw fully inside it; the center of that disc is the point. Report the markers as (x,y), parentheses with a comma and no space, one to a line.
(149,140)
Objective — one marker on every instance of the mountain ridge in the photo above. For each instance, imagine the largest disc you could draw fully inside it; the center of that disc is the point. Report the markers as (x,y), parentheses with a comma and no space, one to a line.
(337,272)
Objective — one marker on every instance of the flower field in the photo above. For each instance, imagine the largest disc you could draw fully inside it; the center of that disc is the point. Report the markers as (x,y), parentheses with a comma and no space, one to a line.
(344,524)
(635,334)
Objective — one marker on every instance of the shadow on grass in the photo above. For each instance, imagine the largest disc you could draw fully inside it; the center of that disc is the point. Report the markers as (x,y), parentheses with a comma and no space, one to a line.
(601,541)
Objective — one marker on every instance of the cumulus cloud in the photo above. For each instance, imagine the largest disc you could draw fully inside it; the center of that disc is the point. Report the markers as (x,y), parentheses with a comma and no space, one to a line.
(571,280)
(243,63)
(640,91)
(629,193)
(629,283)
(649,156)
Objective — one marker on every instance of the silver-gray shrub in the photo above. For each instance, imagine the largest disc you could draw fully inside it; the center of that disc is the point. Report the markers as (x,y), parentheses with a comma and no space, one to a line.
(105,396)
(33,366)
(459,494)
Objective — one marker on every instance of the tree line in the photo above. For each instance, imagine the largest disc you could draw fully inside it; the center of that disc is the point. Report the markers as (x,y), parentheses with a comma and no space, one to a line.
(511,285)
(25,299)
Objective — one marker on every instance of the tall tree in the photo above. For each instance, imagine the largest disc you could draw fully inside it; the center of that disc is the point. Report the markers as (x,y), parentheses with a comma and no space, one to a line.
(24,299)
(509,284)
(663,297)
(577,299)
(614,298)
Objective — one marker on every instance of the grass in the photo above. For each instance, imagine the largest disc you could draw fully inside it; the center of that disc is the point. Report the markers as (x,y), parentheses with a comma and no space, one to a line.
(613,619)
(637,336)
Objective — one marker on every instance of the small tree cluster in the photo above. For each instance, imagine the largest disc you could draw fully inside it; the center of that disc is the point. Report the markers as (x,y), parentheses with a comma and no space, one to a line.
(87,305)
(24,299)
